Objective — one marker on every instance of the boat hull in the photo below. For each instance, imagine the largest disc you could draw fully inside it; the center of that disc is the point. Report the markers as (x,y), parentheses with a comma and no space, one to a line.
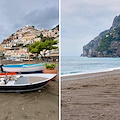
(24,88)
(23,68)
(8,69)
(8,73)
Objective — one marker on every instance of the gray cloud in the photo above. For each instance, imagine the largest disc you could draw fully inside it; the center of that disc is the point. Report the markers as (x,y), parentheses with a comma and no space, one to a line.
(15,14)
(82,20)
(46,17)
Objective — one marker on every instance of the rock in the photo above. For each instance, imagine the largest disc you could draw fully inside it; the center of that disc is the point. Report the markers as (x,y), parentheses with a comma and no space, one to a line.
(39,90)
(68,100)
(113,49)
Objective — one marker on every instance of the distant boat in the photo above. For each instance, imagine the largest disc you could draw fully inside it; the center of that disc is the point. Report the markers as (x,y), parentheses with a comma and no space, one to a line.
(24,83)
(23,68)
(26,59)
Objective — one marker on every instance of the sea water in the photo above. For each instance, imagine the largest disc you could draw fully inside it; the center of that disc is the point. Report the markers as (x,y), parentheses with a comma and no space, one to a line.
(82,65)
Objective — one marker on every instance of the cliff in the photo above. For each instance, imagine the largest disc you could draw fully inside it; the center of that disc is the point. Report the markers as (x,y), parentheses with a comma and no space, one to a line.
(106,44)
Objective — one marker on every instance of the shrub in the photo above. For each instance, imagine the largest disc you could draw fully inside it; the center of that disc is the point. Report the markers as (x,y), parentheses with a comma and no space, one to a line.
(51,66)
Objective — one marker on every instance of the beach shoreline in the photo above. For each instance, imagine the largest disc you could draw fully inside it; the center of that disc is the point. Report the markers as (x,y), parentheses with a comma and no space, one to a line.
(94,72)
(85,75)
(93,96)
(36,105)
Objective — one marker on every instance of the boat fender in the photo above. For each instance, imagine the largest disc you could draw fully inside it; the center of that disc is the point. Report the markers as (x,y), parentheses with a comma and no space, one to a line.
(2,81)
(5,80)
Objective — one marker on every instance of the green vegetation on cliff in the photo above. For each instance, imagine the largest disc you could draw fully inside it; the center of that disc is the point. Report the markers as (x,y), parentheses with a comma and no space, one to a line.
(105,44)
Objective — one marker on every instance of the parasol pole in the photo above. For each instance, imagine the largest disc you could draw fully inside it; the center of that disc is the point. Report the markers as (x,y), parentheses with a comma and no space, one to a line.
(28,55)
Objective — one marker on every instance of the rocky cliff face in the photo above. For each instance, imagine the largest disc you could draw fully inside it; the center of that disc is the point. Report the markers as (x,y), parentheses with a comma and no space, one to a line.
(109,40)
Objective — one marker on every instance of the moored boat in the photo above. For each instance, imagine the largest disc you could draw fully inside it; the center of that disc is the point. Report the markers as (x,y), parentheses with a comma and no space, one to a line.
(23,68)
(24,83)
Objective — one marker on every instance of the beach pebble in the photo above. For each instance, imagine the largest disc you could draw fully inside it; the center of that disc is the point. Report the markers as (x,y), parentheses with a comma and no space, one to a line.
(22,108)
(35,96)
(39,90)
(68,99)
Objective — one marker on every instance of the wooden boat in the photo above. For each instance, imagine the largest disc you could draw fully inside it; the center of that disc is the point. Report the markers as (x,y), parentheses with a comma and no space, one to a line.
(24,83)
(23,68)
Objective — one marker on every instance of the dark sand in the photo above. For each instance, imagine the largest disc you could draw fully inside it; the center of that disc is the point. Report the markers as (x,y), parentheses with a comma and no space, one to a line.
(37,105)
(91,96)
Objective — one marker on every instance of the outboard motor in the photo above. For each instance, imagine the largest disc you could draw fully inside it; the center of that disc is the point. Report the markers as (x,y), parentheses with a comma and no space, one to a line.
(1,67)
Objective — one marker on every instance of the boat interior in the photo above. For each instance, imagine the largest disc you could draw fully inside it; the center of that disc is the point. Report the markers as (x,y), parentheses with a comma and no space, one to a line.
(20,80)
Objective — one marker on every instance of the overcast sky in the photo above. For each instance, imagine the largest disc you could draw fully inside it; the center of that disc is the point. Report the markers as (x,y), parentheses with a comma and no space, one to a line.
(15,14)
(83,20)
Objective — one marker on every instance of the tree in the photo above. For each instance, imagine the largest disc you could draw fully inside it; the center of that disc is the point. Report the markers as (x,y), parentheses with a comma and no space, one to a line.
(40,46)
(41,35)
(48,45)
(43,39)
(33,26)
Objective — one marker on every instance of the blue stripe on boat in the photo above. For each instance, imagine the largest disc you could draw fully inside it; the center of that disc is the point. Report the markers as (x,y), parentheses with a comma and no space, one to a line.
(24,65)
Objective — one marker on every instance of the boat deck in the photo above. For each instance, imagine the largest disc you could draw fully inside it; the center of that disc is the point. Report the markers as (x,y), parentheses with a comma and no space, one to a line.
(26,80)
(22,80)
(36,79)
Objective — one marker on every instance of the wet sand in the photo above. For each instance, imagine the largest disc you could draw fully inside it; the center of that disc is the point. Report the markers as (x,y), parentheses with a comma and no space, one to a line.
(94,96)
(36,105)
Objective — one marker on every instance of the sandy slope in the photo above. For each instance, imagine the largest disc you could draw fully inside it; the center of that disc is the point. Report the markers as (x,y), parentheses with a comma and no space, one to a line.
(91,96)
